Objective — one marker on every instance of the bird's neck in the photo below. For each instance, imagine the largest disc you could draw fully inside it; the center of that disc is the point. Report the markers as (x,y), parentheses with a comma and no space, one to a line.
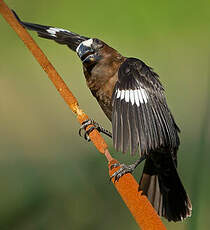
(104,72)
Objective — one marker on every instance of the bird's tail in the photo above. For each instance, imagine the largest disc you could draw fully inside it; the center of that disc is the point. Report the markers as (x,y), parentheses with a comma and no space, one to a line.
(62,36)
(160,182)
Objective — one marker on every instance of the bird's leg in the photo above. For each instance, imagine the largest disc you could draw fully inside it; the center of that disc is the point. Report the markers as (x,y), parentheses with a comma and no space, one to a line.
(124,169)
(88,122)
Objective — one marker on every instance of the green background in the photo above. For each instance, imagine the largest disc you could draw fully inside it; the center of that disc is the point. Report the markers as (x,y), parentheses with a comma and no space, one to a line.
(50,178)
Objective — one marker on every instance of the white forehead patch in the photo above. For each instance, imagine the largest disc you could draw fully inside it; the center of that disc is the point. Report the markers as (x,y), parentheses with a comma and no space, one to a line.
(54,30)
(88,43)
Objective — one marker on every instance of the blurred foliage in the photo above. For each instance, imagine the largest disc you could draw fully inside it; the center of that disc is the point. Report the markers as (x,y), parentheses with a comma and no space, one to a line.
(50,178)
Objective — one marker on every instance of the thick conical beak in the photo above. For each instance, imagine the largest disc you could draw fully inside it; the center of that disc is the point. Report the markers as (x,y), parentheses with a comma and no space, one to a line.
(85,49)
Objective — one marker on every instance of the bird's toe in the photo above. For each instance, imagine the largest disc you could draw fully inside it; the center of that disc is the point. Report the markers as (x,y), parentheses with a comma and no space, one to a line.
(122,171)
(84,126)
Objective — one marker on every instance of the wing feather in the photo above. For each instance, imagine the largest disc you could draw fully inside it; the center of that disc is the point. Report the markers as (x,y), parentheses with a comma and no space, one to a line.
(59,35)
(141,119)
(126,128)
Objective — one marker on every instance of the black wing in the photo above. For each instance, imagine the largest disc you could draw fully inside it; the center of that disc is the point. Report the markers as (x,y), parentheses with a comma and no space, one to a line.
(141,118)
(62,36)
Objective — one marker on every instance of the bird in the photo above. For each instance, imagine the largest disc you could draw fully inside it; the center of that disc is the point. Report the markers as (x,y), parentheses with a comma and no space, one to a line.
(133,99)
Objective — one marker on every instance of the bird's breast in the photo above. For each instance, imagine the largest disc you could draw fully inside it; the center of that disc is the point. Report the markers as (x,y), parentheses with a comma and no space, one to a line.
(103,94)
(101,82)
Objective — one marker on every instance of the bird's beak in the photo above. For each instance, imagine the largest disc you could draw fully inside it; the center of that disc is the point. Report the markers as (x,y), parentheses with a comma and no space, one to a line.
(84,51)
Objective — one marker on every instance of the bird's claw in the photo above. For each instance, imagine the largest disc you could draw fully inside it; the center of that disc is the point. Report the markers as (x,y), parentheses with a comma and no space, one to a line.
(122,171)
(95,125)
(84,125)
(115,165)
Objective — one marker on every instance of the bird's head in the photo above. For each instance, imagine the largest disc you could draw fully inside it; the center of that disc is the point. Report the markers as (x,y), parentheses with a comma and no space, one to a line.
(89,51)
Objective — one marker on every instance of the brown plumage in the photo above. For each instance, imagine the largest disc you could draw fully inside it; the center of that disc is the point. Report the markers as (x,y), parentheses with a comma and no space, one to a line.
(132,97)
(107,71)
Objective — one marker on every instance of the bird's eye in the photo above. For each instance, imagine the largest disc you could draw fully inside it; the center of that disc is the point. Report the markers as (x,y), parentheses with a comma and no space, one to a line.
(98,43)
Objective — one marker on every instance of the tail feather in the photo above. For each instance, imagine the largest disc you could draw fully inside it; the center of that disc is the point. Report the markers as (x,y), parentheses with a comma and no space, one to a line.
(161,184)
(150,186)
(61,36)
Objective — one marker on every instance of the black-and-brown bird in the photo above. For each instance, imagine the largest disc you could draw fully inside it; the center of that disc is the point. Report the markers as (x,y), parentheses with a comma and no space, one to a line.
(132,97)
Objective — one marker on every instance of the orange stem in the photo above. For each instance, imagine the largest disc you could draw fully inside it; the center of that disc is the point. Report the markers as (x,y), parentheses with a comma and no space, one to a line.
(139,206)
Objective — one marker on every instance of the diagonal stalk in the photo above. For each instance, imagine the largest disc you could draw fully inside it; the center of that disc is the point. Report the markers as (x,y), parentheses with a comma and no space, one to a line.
(138,204)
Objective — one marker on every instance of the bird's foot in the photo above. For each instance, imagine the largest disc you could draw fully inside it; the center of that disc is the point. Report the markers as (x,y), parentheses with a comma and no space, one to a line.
(124,169)
(95,125)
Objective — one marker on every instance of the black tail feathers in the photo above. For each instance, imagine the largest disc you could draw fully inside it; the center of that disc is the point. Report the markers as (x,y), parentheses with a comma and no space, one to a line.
(160,182)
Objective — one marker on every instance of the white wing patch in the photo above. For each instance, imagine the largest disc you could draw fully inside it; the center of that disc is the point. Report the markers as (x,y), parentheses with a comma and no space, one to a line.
(118,93)
(132,96)
(140,96)
(127,95)
(135,96)
(54,30)
(122,94)
(144,94)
